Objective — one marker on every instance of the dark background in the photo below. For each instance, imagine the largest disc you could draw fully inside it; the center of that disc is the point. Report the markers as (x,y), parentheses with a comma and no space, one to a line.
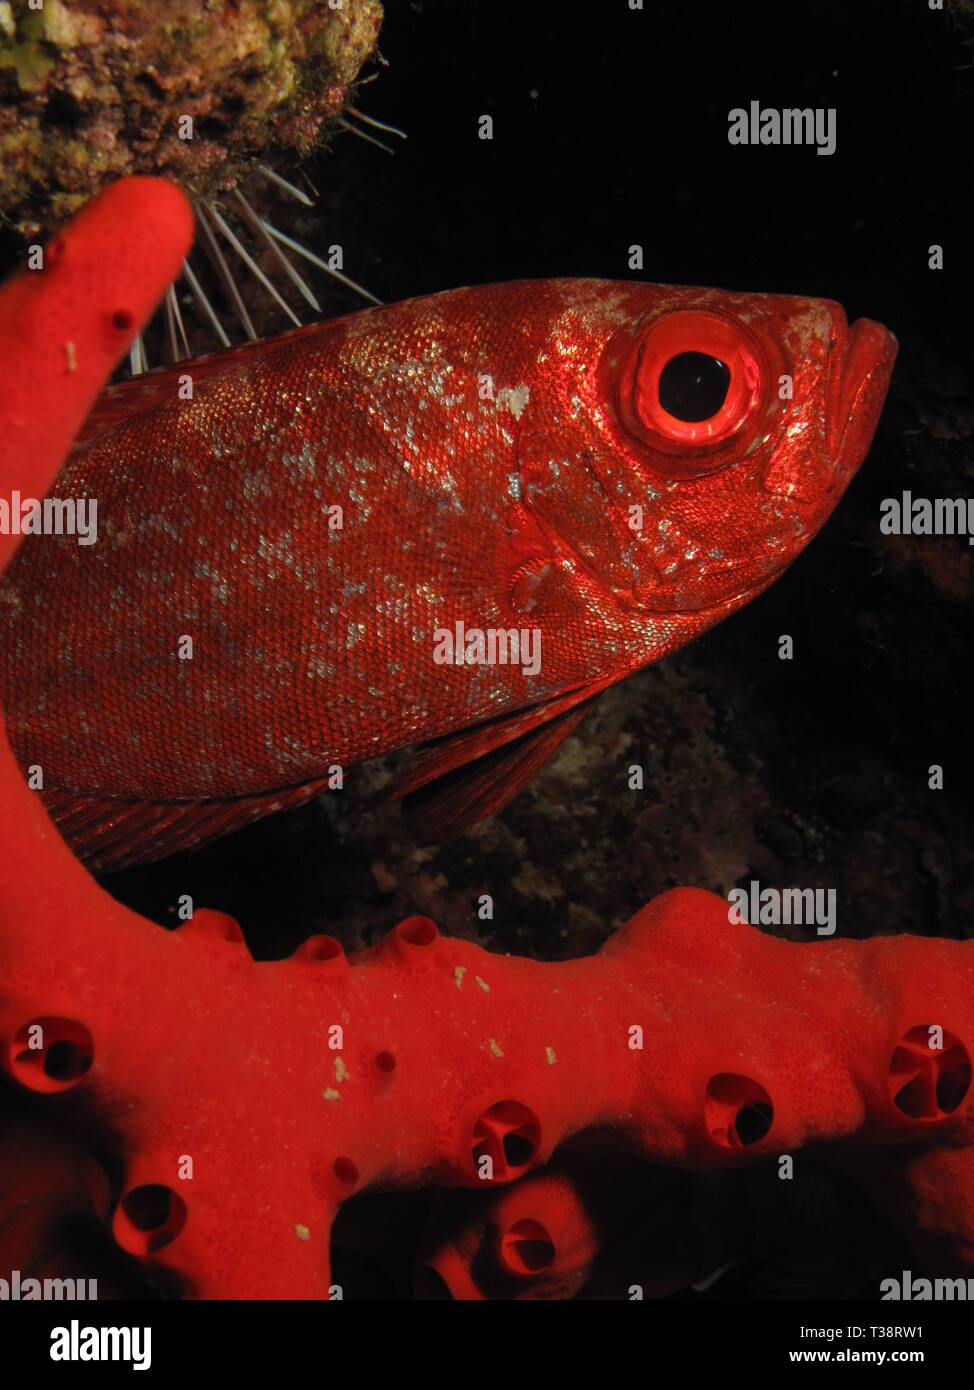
(610,128)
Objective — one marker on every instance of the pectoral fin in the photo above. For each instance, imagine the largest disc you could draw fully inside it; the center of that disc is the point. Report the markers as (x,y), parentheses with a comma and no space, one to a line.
(466,777)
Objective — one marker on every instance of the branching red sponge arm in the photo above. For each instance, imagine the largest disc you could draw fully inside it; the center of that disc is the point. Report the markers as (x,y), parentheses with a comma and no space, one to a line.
(250,1099)
(575,1225)
(63,328)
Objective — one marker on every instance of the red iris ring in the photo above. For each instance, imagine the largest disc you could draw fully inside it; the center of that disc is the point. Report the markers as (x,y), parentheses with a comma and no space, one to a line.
(692,331)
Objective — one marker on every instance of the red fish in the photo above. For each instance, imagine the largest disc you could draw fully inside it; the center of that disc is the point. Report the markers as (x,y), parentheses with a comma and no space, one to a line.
(450,521)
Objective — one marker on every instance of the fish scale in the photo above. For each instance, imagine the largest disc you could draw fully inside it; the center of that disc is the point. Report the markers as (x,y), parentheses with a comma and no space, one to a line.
(490,449)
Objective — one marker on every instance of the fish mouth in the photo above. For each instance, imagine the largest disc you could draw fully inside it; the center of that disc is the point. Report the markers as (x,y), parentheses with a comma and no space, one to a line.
(862,362)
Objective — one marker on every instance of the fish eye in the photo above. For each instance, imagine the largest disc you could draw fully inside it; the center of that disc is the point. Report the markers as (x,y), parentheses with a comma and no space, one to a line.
(693,382)
(693,386)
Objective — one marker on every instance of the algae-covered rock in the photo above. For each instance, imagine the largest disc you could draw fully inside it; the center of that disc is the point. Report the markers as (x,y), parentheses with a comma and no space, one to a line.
(91,91)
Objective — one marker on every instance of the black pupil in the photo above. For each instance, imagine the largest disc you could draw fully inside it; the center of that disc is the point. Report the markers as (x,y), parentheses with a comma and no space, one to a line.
(693,386)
